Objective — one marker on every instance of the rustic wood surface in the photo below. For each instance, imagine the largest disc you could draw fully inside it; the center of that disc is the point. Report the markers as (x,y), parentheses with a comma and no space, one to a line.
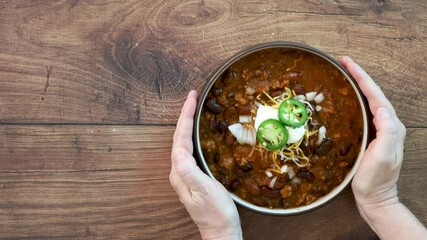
(90,92)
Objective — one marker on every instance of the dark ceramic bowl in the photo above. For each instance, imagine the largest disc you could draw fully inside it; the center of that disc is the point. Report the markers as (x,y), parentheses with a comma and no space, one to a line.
(287,45)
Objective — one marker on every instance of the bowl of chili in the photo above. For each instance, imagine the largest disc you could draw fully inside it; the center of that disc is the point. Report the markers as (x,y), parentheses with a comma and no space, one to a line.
(283,126)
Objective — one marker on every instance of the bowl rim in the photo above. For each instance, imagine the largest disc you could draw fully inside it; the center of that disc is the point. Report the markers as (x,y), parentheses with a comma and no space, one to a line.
(292,45)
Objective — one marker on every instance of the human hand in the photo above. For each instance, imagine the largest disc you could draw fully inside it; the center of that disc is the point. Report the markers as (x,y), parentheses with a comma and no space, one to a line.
(206,200)
(374,184)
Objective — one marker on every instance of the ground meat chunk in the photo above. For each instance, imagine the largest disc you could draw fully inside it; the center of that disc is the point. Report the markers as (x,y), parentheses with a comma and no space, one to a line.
(208,145)
(241,154)
(227,161)
(241,98)
(286,191)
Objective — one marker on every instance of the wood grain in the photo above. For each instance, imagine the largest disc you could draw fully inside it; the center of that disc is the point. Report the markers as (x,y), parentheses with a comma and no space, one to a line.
(132,62)
(90,92)
(111,182)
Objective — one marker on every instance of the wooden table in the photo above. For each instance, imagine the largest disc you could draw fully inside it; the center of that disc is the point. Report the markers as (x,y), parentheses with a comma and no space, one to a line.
(90,92)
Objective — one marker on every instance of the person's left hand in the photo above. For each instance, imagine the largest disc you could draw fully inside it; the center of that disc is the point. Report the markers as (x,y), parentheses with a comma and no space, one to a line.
(206,200)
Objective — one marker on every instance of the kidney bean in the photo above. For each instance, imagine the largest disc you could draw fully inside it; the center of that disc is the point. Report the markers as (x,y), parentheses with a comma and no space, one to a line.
(259,202)
(277,184)
(299,90)
(251,186)
(222,101)
(245,109)
(276,93)
(261,180)
(309,176)
(235,184)
(213,107)
(270,194)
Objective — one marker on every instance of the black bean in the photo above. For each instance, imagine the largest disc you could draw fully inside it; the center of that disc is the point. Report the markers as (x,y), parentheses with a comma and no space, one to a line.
(246,168)
(240,173)
(223,181)
(235,184)
(345,149)
(217,91)
(213,106)
(222,126)
(216,158)
(309,176)
(214,125)
(324,147)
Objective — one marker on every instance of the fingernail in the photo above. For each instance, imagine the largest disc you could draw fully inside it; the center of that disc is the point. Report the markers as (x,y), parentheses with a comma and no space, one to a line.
(383,113)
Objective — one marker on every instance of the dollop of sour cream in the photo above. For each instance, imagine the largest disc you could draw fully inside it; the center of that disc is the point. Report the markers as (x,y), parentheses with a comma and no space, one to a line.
(266,112)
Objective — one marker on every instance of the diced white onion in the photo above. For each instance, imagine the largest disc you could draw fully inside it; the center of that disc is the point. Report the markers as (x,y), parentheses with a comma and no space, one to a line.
(245,119)
(273,181)
(284,169)
(296,180)
(310,96)
(300,97)
(291,172)
(318,108)
(322,135)
(268,173)
(243,134)
(319,98)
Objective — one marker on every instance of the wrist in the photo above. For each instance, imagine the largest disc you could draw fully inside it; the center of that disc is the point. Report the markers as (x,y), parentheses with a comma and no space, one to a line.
(372,208)
(231,233)
(375,203)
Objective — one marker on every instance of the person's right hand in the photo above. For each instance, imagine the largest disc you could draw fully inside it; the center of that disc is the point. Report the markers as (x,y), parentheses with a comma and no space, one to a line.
(206,200)
(375,181)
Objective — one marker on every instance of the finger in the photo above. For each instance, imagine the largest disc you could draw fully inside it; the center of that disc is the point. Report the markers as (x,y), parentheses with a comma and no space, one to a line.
(370,89)
(184,129)
(180,187)
(187,169)
(386,143)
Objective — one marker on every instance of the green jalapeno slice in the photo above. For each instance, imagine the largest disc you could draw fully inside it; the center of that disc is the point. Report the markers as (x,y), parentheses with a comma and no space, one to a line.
(292,113)
(272,134)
